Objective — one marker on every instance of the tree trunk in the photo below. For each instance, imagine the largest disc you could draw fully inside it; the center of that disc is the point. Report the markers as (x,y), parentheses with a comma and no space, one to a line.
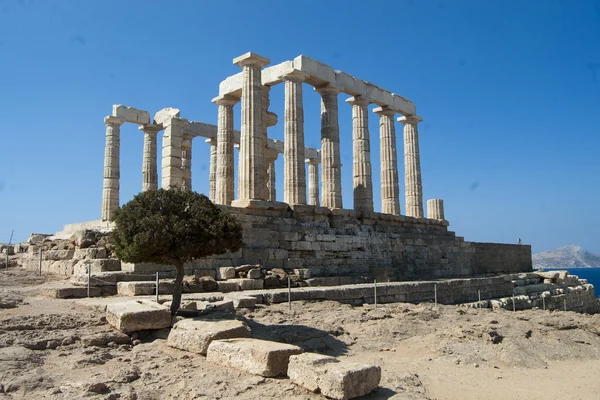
(178,289)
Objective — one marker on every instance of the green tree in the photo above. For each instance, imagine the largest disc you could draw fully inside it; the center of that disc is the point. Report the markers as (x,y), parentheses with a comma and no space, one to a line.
(173,227)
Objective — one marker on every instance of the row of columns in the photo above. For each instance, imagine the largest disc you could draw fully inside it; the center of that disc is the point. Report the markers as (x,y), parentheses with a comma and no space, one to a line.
(253,136)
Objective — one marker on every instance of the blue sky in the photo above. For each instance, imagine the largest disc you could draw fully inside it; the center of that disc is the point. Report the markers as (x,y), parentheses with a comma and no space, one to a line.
(509,92)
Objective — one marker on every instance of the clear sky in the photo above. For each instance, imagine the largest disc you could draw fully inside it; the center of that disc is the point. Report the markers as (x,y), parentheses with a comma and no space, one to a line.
(509,92)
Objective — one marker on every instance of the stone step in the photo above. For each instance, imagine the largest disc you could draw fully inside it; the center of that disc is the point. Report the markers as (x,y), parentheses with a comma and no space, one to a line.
(195,335)
(69,292)
(110,278)
(137,315)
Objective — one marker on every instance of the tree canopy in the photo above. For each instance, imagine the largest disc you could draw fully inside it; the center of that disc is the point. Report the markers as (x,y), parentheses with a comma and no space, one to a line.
(173,227)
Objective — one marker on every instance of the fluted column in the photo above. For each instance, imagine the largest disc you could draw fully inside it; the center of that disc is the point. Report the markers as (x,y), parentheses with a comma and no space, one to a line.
(331,165)
(435,209)
(112,172)
(294,175)
(186,162)
(361,151)
(212,175)
(224,184)
(149,167)
(412,167)
(313,182)
(252,141)
(172,172)
(270,158)
(390,191)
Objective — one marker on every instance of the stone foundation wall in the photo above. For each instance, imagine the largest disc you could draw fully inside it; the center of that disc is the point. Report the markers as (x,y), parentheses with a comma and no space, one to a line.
(348,243)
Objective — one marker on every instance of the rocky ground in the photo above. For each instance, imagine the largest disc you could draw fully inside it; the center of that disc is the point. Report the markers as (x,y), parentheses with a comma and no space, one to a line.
(61,349)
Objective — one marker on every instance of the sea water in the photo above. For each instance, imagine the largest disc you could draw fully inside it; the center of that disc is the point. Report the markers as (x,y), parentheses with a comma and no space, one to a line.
(591,274)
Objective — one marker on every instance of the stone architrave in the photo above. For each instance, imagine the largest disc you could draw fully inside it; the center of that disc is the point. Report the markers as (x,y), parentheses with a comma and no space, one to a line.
(361,146)
(390,190)
(186,162)
(224,184)
(172,173)
(313,182)
(112,173)
(212,176)
(294,175)
(149,167)
(412,167)
(435,209)
(331,165)
(252,140)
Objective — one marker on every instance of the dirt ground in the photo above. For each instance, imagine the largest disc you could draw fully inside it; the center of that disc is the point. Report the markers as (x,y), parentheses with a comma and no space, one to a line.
(57,349)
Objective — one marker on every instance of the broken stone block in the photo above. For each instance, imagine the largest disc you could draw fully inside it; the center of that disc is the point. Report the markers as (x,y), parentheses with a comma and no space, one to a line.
(240,301)
(254,274)
(97,265)
(271,281)
(248,284)
(223,305)
(335,379)
(208,284)
(132,316)
(196,334)
(67,292)
(228,286)
(255,356)
(224,273)
(84,238)
(205,272)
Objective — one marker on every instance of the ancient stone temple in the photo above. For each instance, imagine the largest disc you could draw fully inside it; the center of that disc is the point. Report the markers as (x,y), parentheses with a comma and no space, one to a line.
(310,229)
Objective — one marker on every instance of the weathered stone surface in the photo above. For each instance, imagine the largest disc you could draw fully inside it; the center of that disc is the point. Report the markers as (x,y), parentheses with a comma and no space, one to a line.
(228,286)
(241,301)
(255,356)
(66,292)
(97,265)
(90,253)
(224,273)
(132,316)
(335,379)
(143,288)
(199,273)
(103,338)
(131,114)
(196,334)
(254,274)
(84,238)
(208,284)
(247,284)
(223,305)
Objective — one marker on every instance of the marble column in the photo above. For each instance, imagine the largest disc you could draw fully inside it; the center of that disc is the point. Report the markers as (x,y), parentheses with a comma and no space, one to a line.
(313,182)
(186,162)
(224,184)
(112,173)
(331,165)
(412,167)
(390,191)
(212,175)
(361,151)
(294,175)
(252,140)
(149,167)
(270,158)
(172,172)
(435,209)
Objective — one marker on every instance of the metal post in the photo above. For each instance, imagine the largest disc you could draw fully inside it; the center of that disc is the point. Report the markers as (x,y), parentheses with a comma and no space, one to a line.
(565,302)
(89,279)
(544,303)
(514,307)
(375,290)
(479,296)
(40,261)
(157,285)
(9,242)
(435,293)
(7,258)
(289,292)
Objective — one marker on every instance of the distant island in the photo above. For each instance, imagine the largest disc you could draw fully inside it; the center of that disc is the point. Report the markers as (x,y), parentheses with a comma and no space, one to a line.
(571,256)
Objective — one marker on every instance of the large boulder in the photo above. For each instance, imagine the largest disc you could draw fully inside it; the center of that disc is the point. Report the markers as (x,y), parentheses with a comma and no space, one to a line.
(196,334)
(335,379)
(132,316)
(84,238)
(255,356)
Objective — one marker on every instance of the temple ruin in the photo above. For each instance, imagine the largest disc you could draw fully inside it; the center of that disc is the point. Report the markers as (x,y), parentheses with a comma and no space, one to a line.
(310,230)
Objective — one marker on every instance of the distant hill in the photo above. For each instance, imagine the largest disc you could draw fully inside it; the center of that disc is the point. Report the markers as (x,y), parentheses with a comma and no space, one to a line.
(566,257)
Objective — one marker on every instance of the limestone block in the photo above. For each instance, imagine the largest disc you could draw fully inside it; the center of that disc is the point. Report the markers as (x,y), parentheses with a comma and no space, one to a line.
(241,301)
(90,253)
(67,292)
(229,286)
(205,272)
(131,114)
(166,114)
(273,75)
(254,274)
(403,105)
(97,265)
(223,305)
(248,284)
(58,254)
(136,288)
(334,379)
(132,316)
(379,96)
(319,73)
(232,85)
(98,279)
(224,273)
(195,335)
(255,356)
(350,85)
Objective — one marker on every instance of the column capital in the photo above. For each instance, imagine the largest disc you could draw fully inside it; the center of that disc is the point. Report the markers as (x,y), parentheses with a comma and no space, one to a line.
(110,120)
(271,154)
(327,89)
(271,119)
(295,76)
(151,128)
(384,111)
(226,100)
(212,140)
(358,101)
(410,119)
(251,59)
(312,161)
